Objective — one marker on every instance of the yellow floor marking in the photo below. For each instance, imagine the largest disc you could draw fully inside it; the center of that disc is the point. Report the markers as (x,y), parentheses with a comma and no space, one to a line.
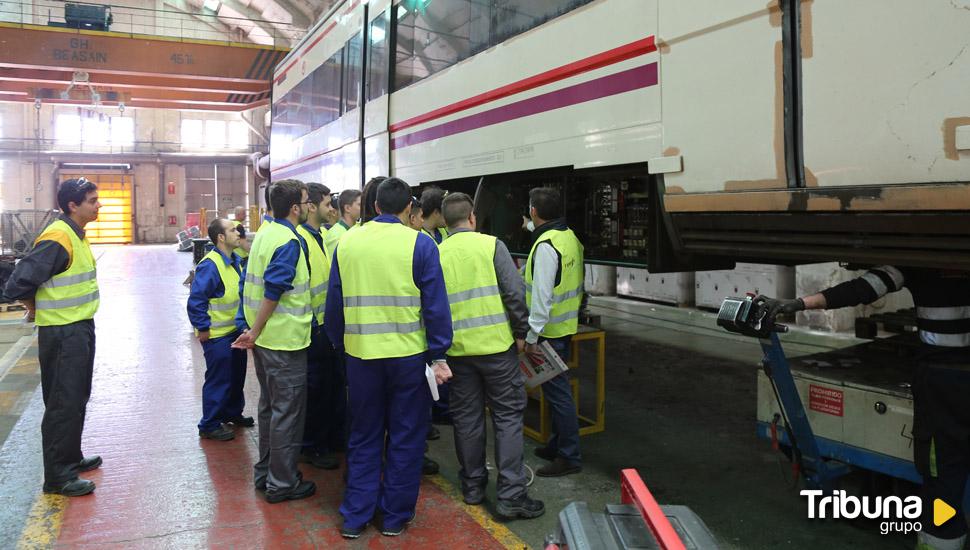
(44,522)
(499,532)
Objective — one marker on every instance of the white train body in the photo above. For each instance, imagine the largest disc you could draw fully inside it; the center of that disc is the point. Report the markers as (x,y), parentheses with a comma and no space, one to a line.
(709,100)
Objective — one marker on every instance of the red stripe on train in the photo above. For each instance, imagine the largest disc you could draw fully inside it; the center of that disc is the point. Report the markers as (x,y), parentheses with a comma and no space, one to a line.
(609,57)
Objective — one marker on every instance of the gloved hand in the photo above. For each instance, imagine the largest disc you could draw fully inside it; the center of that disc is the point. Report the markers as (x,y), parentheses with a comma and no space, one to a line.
(778,307)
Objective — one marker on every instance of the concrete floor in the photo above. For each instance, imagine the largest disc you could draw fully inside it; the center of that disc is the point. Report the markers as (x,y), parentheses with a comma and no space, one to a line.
(680,408)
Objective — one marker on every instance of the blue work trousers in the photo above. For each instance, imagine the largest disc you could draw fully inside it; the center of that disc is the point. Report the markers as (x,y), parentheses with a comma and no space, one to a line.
(326,400)
(389,405)
(559,395)
(225,376)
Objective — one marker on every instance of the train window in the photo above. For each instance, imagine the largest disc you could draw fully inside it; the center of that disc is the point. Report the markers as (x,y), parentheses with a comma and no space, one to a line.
(353,72)
(326,90)
(512,17)
(292,112)
(434,36)
(378,56)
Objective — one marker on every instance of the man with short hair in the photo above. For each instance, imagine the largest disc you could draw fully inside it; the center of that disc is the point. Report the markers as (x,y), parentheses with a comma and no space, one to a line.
(434,222)
(239,215)
(416,219)
(276,306)
(57,282)
(387,309)
(239,223)
(212,304)
(554,291)
(490,321)
(348,206)
(326,395)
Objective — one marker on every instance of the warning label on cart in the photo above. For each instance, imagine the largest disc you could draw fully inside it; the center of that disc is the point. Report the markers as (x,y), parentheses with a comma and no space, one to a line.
(825,400)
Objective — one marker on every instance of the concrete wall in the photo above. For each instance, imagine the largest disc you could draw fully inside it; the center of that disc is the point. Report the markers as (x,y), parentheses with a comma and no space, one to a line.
(29,158)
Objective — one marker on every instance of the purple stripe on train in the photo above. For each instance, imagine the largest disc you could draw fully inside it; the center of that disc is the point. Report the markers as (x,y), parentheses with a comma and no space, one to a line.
(317,164)
(618,83)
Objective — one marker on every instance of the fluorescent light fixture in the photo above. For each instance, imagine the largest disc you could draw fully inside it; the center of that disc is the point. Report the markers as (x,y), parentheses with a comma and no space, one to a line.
(211,5)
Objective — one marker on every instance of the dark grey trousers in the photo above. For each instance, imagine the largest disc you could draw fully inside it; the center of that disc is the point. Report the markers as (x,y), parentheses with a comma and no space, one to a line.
(66,355)
(282,408)
(497,381)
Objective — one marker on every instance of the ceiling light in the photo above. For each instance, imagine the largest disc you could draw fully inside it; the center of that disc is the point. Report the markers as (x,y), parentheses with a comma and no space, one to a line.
(211,5)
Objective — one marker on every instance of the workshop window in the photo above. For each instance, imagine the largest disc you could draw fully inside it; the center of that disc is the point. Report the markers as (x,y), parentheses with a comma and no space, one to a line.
(192,130)
(67,129)
(238,135)
(215,134)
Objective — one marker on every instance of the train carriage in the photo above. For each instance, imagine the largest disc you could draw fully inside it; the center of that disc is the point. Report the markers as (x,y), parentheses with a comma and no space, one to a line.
(683,134)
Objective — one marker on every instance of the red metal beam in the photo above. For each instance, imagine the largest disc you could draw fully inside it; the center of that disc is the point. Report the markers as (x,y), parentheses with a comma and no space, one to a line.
(634,491)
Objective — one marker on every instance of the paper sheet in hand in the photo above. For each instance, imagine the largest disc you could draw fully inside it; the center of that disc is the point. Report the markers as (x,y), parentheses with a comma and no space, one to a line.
(547,367)
(432,381)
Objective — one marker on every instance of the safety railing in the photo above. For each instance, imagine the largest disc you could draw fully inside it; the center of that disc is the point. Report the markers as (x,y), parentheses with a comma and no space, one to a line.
(27,146)
(19,229)
(205,25)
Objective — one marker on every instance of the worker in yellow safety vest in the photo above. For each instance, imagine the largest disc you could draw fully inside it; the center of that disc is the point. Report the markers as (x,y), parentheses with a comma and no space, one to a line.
(554,291)
(278,316)
(323,433)
(211,307)
(57,282)
(387,310)
(348,207)
(490,320)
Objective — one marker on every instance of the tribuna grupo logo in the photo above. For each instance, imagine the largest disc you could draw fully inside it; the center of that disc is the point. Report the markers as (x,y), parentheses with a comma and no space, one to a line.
(899,515)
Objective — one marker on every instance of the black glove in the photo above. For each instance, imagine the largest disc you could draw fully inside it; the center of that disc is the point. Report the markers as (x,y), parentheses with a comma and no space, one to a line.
(777,307)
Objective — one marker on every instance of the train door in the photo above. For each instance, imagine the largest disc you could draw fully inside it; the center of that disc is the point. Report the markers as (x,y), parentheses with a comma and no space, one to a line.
(375,93)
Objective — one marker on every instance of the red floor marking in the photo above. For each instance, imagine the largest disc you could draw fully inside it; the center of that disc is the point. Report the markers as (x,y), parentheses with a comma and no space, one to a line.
(161,486)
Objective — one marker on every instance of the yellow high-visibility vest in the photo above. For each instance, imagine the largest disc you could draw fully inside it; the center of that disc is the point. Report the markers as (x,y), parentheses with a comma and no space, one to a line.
(288,328)
(382,305)
(567,296)
(70,296)
(319,274)
(478,316)
(222,310)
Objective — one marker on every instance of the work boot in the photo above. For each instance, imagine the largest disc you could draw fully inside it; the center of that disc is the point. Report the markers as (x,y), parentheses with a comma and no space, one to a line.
(242,421)
(474,496)
(303,489)
(430,467)
(545,453)
(325,461)
(395,531)
(75,488)
(221,433)
(559,467)
(89,463)
(352,532)
(522,507)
